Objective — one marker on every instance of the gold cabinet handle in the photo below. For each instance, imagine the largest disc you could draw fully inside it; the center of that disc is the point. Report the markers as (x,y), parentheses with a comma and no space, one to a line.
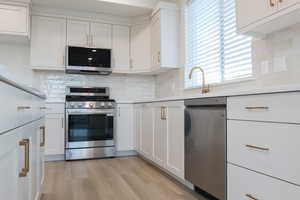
(256,147)
(257,108)
(251,197)
(163,111)
(272,4)
(25,170)
(23,107)
(280,1)
(159,59)
(43,129)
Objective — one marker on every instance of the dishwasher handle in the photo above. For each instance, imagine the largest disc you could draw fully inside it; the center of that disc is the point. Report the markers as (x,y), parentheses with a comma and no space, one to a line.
(187,123)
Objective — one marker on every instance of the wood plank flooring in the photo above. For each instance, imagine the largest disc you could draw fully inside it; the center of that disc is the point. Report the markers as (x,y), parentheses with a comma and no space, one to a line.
(128,178)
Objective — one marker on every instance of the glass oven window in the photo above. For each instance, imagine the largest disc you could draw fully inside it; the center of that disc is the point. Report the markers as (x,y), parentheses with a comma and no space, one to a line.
(94,127)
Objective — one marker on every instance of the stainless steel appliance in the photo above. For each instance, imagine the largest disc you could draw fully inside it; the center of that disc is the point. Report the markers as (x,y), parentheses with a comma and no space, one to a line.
(89,123)
(92,61)
(205,146)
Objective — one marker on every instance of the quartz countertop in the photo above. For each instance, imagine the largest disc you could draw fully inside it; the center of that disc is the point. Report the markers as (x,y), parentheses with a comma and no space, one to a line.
(225,93)
(4,78)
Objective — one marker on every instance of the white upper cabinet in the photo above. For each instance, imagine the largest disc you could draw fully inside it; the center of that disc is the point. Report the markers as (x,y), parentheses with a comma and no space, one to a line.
(245,10)
(164,38)
(14,20)
(89,34)
(100,36)
(140,48)
(48,43)
(261,17)
(78,33)
(121,48)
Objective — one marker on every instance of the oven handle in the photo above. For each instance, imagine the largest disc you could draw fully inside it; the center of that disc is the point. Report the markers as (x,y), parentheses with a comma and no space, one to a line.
(76,112)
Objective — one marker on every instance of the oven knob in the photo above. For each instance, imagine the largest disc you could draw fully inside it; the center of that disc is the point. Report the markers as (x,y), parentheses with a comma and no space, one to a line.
(91,105)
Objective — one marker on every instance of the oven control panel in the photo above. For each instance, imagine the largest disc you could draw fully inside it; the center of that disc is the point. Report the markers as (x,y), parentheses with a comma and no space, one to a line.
(91,105)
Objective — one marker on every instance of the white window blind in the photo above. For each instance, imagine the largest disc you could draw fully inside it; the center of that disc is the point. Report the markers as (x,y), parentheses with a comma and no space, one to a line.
(213,44)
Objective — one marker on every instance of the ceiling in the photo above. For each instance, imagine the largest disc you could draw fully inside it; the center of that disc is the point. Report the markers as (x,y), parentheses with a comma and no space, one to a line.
(126,8)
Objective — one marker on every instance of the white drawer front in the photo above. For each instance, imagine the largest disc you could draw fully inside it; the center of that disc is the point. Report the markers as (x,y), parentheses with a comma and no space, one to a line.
(280,107)
(243,182)
(279,156)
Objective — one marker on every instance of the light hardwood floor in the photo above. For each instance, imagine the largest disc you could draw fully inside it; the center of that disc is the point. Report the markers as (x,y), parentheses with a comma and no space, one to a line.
(128,178)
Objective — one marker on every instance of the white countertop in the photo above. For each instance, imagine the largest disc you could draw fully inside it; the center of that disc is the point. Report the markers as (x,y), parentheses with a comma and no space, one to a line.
(6,79)
(225,93)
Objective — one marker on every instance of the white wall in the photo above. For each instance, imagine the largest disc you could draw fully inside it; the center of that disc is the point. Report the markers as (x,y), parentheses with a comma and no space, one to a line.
(14,62)
(285,43)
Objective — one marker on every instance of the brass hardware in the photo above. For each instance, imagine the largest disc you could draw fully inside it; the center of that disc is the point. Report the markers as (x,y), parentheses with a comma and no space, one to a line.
(43,129)
(280,1)
(23,107)
(205,88)
(256,147)
(159,59)
(257,108)
(271,3)
(163,111)
(25,170)
(251,197)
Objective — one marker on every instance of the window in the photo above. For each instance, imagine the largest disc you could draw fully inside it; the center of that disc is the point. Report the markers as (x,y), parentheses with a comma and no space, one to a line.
(213,44)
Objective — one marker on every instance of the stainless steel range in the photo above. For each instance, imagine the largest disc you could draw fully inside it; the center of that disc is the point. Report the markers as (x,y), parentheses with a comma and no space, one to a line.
(89,123)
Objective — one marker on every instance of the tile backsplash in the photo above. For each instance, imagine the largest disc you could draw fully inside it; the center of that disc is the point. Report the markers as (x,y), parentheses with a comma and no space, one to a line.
(122,87)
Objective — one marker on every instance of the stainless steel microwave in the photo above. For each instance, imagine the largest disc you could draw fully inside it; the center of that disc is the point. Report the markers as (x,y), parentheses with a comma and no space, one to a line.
(93,61)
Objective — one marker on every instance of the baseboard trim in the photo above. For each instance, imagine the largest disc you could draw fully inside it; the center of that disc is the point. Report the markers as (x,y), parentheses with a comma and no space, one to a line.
(58,157)
(126,153)
(182,182)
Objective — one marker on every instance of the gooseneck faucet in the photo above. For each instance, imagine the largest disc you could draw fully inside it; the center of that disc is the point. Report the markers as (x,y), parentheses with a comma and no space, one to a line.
(205,88)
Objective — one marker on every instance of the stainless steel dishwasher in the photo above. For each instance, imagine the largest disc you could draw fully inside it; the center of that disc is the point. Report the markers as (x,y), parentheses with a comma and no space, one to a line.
(205,145)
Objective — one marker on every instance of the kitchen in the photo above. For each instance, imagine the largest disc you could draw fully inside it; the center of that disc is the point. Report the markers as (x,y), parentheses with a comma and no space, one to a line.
(148,99)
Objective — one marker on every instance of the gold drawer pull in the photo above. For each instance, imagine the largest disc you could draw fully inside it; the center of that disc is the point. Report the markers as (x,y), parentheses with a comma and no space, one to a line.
(251,197)
(271,3)
(257,108)
(24,107)
(280,1)
(256,147)
(25,170)
(43,129)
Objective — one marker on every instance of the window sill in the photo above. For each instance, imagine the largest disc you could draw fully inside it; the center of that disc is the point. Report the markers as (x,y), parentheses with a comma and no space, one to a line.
(251,78)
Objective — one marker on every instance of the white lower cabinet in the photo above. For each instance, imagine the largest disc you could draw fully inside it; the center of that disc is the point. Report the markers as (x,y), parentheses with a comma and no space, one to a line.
(245,184)
(125,135)
(55,134)
(21,169)
(160,134)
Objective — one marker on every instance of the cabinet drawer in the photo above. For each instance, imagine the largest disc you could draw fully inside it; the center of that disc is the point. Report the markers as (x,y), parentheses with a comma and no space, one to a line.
(242,182)
(273,150)
(55,108)
(280,107)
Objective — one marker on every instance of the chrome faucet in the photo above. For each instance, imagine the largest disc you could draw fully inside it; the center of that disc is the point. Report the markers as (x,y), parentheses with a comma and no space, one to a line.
(205,88)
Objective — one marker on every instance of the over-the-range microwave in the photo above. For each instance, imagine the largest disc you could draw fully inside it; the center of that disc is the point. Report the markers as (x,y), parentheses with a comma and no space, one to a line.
(95,61)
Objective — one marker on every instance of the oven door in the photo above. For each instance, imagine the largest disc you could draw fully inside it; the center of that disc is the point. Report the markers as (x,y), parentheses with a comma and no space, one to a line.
(89,128)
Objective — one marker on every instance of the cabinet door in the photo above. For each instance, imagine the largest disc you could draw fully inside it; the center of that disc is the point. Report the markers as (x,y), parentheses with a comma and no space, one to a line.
(160,136)
(156,42)
(14,19)
(124,137)
(9,165)
(146,145)
(101,35)
(121,49)
(141,48)
(175,139)
(48,42)
(55,134)
(137,126)
(287,3)
(78,33)
(250,11)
